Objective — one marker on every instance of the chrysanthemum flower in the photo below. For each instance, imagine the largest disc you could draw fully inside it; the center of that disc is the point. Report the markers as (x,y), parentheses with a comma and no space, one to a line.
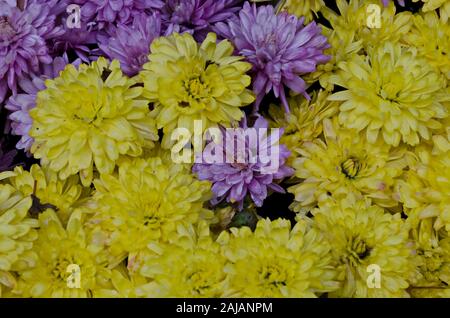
(432,250)
(146,201)
(345,163)
(349,34)
(442,5)
(58,248)
(130,44)
(90,117)
(193,266)
(17,233)
(275,261)
(188,82)
(279,47)
(47,191)
(391,94)
(105,12)
(20,104)
(424,188)
(22,42)
(360,235)
(197,17)
(304,122)
(246,166)
(431,36)
(302,8)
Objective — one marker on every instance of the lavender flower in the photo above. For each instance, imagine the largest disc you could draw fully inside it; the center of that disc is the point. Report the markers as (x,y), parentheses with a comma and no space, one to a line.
(244,170)
(20,104)
(279,46)
(23,36)
(131,44)
(197,17)
(106,12)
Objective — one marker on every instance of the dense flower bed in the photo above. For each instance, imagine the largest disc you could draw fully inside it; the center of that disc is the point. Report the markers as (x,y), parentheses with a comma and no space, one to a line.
(201,148)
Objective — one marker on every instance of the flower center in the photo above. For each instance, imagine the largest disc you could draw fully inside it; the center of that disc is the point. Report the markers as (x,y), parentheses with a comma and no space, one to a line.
(196,88)
(432,264)
(274,275)
(357,250)
(60,269)
(198,280)
(6,30)
(351,167)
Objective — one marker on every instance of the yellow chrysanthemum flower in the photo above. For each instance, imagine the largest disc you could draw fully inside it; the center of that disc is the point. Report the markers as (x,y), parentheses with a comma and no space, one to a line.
(442,5)
(431,37)
(304,122)
(432,249)
(187,82)
(275,261)
(145,201)
(192,266)
(302,8)
(363,237)
(344,163)
(47,191)
(351,33)
(424,190)
(17,233)
(89,117)
(67,266)
(391,94)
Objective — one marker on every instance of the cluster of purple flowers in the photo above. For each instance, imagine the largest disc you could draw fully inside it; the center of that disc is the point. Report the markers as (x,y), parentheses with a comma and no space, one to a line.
(37,41)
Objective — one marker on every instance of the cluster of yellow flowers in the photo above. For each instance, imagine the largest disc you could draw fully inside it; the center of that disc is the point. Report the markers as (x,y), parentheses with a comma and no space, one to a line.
(372,150)
(107,213)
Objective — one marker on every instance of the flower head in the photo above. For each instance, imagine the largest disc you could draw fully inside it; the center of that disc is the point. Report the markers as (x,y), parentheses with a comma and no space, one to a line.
(22,43)
(249,161)
(431,36)
(187,82)
(277,261)
(59,250)
(423,190)
(20,104)
(192,266)
(90,117)
(303,8)
(145,202)
(18,231)
(279,47)
(197,17)
(107,12)
(130,44)
(361,235)
(46,191)
(391,94)
(345,163)
(432,250)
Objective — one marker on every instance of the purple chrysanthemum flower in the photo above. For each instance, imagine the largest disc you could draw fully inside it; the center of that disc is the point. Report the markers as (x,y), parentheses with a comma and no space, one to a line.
(106,12)
(131,43)
(20,104)
(197,17)
(279,46)
(23,36)
(243,165)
